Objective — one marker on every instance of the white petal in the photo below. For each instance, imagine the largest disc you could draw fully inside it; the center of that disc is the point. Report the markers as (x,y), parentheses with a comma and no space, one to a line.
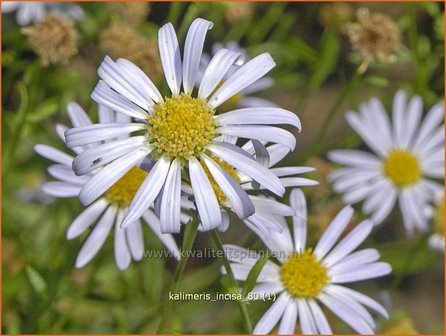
(287,171)
(319,318)
(347,314)
(109,175)
(105,114)
(357,194)
(65,173)
(365,131)
(250,167)
(170,202)
(135,240)
(167,239)
(380,118)
(216,70)
(237,197)
(85,135)
(86,218)
(104,95)
(192,52)
(349,243)
(276,153)
(143,83)
(259,116)
(123,82)
(272,206)
(298,202)
(289,319)
(61,189)
(333,232)
(242,78)
(96,238)
(263,133)
(170,57)
(148,191)
(369,271)
(306,318)
(353,304)
(432,120)
(412,119)
(297,182)
(101,155)
(354,158)
(272,315)
(224,225)
(122,253)
(363,299)
(207,204)
(355,259)
(260,85)
(398,115)
(77,115)
(53,154)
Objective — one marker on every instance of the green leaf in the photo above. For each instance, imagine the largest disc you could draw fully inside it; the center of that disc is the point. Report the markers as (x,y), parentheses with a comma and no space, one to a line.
(254,273)
(36,281)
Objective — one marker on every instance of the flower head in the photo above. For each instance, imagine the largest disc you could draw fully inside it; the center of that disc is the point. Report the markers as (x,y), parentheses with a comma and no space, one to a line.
(374,36)
(307,277)
(55,39)
(409,156)
(181,131)
(108,211)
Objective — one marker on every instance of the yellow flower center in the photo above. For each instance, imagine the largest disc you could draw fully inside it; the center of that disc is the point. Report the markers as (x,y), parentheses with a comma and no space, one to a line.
(439,217)
(303,275)
(123,191)
(221,198)
(402,167)
(181,127)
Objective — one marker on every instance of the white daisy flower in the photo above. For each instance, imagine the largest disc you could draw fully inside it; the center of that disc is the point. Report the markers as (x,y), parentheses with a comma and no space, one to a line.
(309,277)
(29,12)
(180,132)
(245,97)
(109,209)
(409,154)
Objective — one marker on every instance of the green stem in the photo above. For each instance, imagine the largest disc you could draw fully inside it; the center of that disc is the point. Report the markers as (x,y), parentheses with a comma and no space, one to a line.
(313,149)
(243,309)
(188,241)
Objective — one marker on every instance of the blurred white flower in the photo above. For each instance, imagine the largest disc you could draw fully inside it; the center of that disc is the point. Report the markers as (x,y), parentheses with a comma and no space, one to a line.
(410,154)
(29,12)
(108,211)
(180,132)
(307,277)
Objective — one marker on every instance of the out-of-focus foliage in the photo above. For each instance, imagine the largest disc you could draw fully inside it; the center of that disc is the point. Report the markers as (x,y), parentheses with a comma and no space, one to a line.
(42,292)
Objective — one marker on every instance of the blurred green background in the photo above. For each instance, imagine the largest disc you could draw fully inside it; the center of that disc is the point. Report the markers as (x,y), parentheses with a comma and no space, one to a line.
(42,292)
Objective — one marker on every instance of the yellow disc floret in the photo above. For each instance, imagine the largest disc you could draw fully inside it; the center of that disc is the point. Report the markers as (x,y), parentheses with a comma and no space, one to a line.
(181,127)
(402,167)
(123,191)
(221,197)
(303,275)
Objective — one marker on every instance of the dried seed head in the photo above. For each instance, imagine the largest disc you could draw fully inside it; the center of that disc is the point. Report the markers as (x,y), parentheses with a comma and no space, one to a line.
(374,36)
(120,40)
(55,39)
(131,12)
